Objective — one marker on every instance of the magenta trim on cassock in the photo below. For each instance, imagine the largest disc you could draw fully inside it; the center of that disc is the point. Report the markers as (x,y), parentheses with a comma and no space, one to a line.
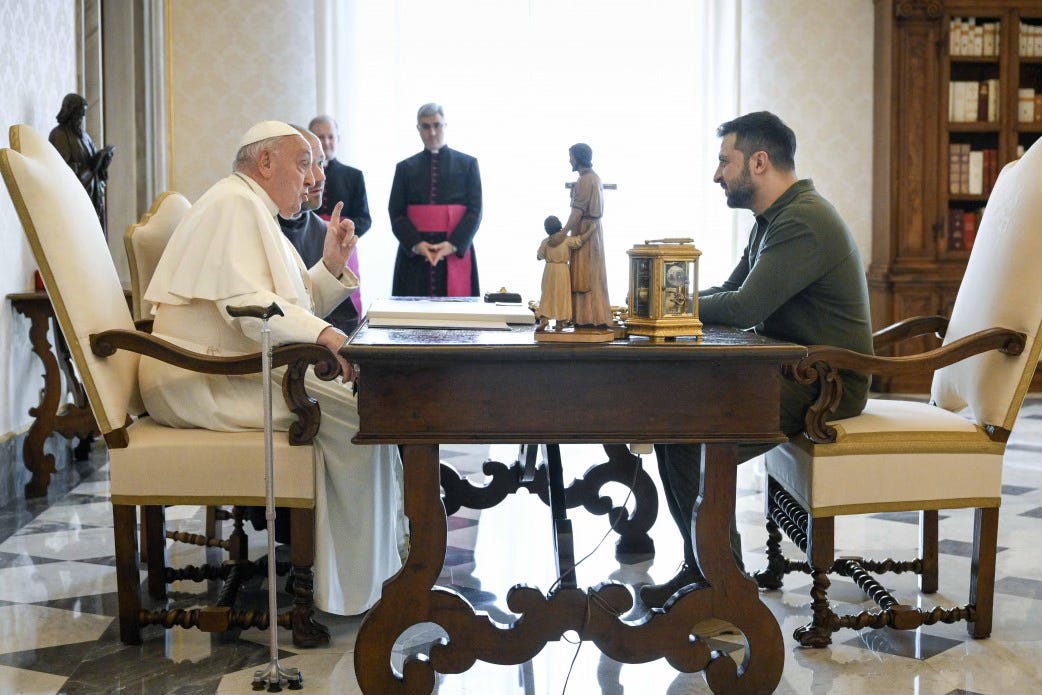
(443,219)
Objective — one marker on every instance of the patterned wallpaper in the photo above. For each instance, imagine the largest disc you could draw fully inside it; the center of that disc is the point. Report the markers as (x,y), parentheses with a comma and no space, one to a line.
(37,69)
(233,63)
(810,62)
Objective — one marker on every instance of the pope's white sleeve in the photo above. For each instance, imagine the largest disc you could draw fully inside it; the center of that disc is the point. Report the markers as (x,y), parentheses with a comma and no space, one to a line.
(298,325)
(327,293)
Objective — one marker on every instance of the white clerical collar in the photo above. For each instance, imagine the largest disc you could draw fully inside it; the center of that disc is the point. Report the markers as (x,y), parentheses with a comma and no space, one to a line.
(269,204)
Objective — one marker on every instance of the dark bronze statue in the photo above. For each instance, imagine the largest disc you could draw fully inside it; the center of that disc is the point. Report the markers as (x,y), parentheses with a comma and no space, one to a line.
(90,165)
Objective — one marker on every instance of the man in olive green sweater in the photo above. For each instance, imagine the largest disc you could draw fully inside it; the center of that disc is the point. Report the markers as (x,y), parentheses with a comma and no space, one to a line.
(800,279)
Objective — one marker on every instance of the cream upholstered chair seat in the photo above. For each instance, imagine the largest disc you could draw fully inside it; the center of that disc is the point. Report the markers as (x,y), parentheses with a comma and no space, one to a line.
(151,465)
(953,459)
(218,467)
(909,455)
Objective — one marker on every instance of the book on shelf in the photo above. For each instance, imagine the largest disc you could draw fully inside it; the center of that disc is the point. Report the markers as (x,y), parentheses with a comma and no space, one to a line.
(970,220)
(963,159)
(958,163)
(971,172)
(956,221)
(1025,105)
(1030,40)
(991,169)
(993,101)
(970,101)
(975,173)
(968,37)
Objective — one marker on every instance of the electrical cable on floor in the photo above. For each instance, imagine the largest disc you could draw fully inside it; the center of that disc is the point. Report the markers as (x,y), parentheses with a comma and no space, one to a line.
(611,529)
(593,597)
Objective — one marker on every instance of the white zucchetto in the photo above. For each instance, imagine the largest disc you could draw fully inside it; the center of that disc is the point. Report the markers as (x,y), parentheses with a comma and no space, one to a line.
(265,130)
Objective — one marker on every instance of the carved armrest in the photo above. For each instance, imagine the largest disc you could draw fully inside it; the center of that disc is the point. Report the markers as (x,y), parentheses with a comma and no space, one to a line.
(909,328)
(822,364)
(296,358)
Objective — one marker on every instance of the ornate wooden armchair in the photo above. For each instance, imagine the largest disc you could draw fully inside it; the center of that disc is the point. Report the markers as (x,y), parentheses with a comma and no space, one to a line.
(903,455)
(150,465)
(145,242)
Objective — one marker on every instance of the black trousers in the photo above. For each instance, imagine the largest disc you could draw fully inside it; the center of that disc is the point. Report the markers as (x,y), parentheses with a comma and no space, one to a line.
(680,468)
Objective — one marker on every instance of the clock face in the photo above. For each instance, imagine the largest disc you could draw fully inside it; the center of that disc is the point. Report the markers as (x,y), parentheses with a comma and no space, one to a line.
(676,274)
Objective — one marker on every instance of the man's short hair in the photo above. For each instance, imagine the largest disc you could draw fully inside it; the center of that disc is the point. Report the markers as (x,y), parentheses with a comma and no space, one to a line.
(583,154)
(248,155)
(431,109)
(763,131)
(324,118)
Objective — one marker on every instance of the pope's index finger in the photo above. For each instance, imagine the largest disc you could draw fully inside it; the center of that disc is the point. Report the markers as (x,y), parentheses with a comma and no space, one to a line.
(335,217)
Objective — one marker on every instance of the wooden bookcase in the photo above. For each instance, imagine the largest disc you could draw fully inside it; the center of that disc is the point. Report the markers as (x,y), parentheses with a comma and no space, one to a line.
(917,259)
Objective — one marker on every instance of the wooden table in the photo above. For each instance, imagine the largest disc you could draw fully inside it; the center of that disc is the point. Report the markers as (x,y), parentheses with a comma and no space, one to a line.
(51,414)
(421,388)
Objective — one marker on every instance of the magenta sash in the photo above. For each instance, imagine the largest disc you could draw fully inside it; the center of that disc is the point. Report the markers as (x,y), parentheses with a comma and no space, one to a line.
(352,263)
(444,218)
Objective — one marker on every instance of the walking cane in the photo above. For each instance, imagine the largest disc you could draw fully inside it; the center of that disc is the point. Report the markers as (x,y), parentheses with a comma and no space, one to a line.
(275,675)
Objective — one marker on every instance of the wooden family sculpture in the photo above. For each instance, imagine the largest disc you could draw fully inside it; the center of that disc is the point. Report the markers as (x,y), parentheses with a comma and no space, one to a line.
(575,280)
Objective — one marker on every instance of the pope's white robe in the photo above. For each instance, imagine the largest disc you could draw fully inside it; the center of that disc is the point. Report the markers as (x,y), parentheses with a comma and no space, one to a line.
(229,251)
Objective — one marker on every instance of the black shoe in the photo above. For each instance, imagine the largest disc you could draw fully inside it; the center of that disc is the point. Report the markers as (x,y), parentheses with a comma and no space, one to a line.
(656,595)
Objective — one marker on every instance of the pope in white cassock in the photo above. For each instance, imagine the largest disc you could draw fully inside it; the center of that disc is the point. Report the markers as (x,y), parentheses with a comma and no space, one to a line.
(229,251)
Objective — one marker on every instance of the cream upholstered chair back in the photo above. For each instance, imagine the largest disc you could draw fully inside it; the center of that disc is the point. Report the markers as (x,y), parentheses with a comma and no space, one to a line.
(1002,287)
(70,249)
(145,242)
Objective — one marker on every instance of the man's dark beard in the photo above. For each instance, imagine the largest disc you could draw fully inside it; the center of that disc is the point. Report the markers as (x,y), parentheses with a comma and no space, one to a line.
(742,194)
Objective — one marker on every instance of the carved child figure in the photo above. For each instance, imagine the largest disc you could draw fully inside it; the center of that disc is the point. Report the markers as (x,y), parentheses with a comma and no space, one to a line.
(555,302)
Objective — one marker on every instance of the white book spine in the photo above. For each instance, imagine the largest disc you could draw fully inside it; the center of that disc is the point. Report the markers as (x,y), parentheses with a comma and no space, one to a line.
(1025,105)
(976,173)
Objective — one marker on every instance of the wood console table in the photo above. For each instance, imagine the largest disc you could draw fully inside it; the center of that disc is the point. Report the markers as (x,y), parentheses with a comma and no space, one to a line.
(421,388)
(67,419)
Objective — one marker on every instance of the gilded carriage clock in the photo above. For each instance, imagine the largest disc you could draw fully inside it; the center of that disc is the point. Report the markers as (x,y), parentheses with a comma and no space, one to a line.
(663,296)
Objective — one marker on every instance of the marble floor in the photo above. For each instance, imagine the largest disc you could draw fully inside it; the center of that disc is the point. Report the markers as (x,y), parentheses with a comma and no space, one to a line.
(57,598)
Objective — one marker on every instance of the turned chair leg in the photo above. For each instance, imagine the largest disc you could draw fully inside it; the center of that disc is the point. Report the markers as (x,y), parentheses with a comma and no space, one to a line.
(821,556)
(154,521)
(772,576)
(307,632)
(928,550)
(128,577)
(982,572)
(213,529)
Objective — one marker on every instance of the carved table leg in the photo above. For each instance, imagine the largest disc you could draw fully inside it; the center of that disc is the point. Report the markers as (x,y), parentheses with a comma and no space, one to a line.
(410,597)
(634,543)
(75,419)
(734,596)
(41,465)
(406,598)
(622,467)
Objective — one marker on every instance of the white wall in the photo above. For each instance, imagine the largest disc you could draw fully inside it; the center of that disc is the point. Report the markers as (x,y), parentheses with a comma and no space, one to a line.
(37,69)
(810,62)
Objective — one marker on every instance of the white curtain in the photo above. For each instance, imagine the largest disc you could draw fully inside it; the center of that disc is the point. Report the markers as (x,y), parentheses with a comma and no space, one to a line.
(644,83)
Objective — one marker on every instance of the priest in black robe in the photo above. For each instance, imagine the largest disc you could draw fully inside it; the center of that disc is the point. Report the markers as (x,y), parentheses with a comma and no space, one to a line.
(435,209)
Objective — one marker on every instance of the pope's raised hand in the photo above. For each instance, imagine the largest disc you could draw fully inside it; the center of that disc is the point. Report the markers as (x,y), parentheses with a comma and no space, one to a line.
(340,241)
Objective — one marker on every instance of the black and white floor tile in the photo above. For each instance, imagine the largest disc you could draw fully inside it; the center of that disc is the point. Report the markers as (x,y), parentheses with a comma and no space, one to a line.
(58,602)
